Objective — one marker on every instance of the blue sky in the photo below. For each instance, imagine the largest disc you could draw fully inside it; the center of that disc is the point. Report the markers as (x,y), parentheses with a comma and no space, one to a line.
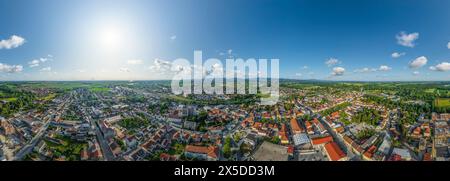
(130,39)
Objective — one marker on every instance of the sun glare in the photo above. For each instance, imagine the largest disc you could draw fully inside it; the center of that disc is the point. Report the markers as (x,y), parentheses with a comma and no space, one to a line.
(110,38)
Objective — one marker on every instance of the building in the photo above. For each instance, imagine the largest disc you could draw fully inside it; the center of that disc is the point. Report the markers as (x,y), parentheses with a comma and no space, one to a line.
(295,128)
(322,140)
(335,153)
(402,153)
(210,153)
(190,125)
(300,139)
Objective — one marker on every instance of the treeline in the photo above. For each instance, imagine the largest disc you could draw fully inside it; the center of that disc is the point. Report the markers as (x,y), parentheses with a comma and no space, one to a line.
(335,108)
(21,100)
(366,115)
(409,112)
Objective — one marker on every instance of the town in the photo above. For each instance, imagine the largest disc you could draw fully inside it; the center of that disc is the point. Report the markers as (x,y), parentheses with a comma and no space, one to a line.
(143,121)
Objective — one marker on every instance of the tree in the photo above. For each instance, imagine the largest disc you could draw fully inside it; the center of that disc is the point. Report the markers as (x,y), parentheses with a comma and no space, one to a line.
(227,147)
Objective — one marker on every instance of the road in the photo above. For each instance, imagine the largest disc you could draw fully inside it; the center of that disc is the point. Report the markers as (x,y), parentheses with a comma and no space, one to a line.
(338,140)
(29,147)
(106,150)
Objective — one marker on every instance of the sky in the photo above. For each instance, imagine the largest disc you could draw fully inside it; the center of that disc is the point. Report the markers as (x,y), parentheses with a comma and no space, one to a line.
(361,40)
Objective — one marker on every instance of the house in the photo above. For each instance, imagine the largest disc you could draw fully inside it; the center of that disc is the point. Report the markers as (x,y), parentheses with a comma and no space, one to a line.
(251,139)
(369,153)
(167,157)
(84,155)
(335,153)
(402,153)
(417,131)
(191,125)
(210,153)
(322,140)
(427,132)
(295,128)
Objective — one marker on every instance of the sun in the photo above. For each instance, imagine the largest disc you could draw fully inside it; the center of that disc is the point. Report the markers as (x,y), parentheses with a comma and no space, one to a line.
(110,38)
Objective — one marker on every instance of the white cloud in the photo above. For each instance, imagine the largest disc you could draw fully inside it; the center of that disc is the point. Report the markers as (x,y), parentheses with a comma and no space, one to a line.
(37,62)
(305,67)
(332,61)
(397,55)
(384,68)
(34,63)
(448,45)
(13,42)
(10,68)
(298,74)
(134,62)
(442,67)
(406,39)
(124,69)
(230,51)
(46,69)
(365,70)
(173,37)
(160,65)
(418,62)
(338,71)
(416,73)
(43,59)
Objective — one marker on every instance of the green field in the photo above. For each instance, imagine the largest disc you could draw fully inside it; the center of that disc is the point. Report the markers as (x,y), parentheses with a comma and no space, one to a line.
(430,90)
(442,102)
(49,97)
(10,99)
(99,89)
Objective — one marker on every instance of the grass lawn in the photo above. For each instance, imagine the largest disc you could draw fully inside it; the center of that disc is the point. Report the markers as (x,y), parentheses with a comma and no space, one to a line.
(442,102)
(10,99)
(49,97)
(180,98)
(430,90)
(99,89)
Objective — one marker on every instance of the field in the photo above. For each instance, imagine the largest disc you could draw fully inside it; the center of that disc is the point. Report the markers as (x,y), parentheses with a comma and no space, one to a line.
(49,97)
(99,89)
(10,99)
(442,102)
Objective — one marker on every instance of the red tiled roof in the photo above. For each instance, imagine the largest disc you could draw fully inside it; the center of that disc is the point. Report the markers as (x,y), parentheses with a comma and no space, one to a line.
(290,149)
(322,140)
(340,129)
(335,114)
(315,121)
(295,127)
(308,124)
(348,140)
(211,151)
(417,130)
(427,157)
(395,157)
(334,152)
